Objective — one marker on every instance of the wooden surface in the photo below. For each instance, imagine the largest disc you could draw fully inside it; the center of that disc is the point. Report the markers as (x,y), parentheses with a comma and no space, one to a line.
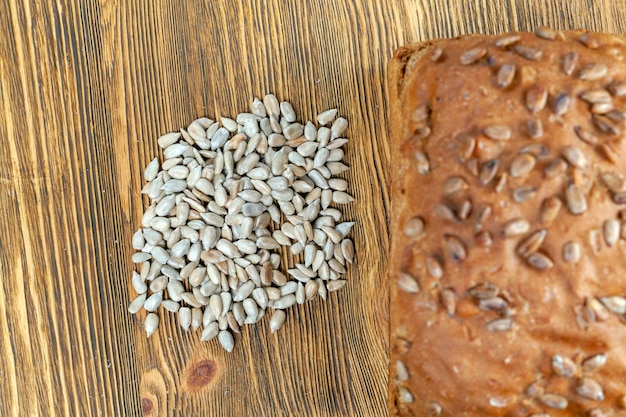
(85,89)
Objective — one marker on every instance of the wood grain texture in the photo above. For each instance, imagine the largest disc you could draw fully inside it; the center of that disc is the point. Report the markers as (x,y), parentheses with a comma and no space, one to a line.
(86,87)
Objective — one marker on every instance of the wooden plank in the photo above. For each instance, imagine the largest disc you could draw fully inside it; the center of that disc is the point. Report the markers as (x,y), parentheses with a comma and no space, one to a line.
(85,89)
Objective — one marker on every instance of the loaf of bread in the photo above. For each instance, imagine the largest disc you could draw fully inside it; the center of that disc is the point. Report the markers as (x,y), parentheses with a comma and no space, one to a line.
(508,258)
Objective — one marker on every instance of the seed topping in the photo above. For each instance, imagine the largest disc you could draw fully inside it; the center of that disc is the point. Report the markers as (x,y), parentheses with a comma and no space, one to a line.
(536,98)
(472,56)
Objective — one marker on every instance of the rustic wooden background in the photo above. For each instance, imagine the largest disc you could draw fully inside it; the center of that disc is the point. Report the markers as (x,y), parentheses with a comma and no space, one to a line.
(85,89)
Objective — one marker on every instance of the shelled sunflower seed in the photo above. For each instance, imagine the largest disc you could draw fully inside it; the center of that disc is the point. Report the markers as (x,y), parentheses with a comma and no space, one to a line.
(224,200)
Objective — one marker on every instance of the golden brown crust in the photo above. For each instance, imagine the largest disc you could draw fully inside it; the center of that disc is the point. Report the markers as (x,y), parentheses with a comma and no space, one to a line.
(497,155)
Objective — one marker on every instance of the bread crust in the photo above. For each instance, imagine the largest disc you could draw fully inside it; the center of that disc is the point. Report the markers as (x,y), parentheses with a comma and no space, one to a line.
(490,336)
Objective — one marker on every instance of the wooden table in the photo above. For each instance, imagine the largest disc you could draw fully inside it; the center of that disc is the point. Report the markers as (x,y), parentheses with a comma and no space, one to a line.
(85,90)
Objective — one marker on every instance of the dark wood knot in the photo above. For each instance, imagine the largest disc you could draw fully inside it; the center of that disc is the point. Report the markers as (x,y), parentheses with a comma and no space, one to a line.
(201,374)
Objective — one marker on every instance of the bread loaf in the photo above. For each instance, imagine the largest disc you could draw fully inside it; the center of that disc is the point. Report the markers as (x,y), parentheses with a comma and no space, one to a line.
(508,258)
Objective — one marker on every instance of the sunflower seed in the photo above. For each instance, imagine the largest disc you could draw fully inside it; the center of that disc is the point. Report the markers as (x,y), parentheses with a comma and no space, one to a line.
(532,243)
(174,186)
(611,231)
(606,125)
(597,96)
(137,303)
(455,248)
(434,267)
(472,56)
(546,33)
(311,289)
(244,291)
(299,275)
(515,227)
(153,302)
(272,106)
(589,41)
(465,209)
(564,366)
(210,331)
(493,304)
(275,125)
(138,283)
(277,320)
(534,128)
(576,200)
(257,108)
(338,127)
(602,108)
(535,390)
(536,98)
(483,239)
(488,171)
(617,88)
(152,169)
(448,299)
(436,55)
(404,395)
(615,304)
(158,284)
(610,151)
(539,261)
(530,53)
(226,340)
(322,291)
(184,318)
(326,117)
(568,62)
(555,401)
(445,212)
(505,75)
(500,182)
(337,168)
(585,135)
(593,72)
(421,113)
(151,324)
(434,409)
(467,145)
(507,40)
(594,362)
(251,308)
(497,132)
(499,325)
(524,193)
(284,302)
(407,283)
(555,168)
(619,198)
(168,139)
(171,306)
(600,412)
(300,294)
(423,166)
(402,372)
(483,291)
(336,285)
(229,124)
(588,388)
(414,227)
(571,252)
(575,157)
(347,249)
(141,257)
(562,103)
(287,112)
(522,165)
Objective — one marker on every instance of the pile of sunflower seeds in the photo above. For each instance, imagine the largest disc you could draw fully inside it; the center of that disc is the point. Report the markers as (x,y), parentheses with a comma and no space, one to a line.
(227,196)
